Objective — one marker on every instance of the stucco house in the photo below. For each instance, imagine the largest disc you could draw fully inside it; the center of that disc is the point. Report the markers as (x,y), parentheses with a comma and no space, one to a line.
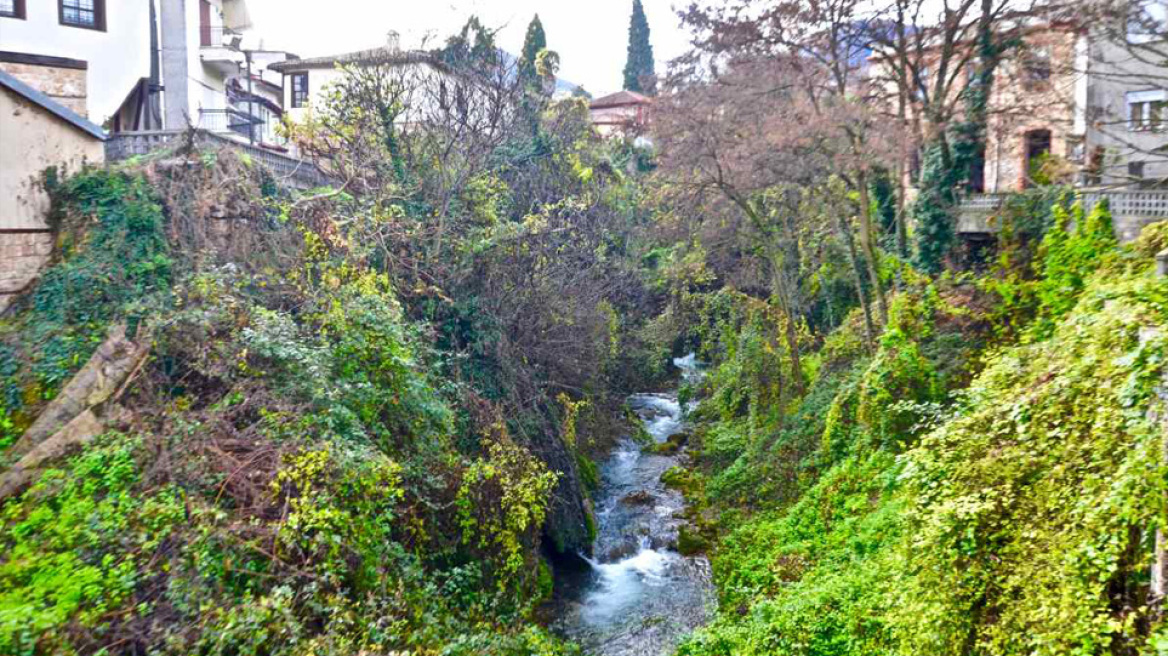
(306,81)
(36,132)
(140,64)
(623,113)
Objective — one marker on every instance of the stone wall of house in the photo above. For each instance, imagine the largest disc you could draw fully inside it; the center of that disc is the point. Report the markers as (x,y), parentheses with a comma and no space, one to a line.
(66,85)
(31,140)
(1111,138)
(1022,103)
(22,254)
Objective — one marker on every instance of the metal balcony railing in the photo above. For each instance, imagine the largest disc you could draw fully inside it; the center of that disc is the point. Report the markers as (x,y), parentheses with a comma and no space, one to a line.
(228,120)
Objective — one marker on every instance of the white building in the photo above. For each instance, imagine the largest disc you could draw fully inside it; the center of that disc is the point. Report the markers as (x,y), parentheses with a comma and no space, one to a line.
(429,84)
(306,81)
(77,50)
(139,64)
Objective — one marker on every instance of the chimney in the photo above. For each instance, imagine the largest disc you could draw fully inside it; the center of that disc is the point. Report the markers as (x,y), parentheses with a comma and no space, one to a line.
(393,41)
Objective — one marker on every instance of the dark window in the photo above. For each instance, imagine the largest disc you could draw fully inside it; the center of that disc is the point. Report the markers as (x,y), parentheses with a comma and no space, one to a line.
(1038,65)
(977,172)
(1095,164)
(1037,157)
(89,14)
(12,8)
(1135,171)
(299,90)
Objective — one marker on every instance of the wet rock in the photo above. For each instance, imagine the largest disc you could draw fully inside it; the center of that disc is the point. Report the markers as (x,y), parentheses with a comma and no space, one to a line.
(690,542)
(671,445)
(638,498)
(620,552)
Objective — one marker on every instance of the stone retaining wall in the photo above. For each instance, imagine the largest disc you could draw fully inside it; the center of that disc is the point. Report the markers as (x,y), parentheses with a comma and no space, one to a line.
(22,254)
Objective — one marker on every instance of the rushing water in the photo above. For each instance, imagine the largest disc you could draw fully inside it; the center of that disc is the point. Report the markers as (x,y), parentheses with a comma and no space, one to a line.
(637,595)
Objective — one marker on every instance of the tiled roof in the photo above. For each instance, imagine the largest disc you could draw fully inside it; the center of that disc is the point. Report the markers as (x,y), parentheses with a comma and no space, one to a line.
(381,55)
(620,98)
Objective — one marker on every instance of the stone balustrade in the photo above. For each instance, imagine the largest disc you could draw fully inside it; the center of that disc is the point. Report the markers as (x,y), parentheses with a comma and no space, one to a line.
(1130,210)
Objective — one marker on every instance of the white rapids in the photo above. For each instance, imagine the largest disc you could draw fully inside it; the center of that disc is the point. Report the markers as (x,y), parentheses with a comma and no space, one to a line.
(637,595)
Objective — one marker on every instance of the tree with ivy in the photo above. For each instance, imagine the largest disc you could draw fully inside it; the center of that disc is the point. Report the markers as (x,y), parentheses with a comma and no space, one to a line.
(951,157)
(640,71)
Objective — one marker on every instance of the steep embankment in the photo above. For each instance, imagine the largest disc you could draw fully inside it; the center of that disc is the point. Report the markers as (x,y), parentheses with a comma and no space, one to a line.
(904,508)
(287,472)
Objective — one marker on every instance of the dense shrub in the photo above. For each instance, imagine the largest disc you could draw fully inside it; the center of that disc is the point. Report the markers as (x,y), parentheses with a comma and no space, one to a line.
(1019,515)
(115,263)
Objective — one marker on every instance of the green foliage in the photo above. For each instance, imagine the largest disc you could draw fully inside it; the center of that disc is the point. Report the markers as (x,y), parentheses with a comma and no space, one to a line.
(522,485)
(810,580)
(640,70)
(883,194)
(114,264)
(900,376)
(1072,250)
(77,544)
(1031,508)
(1013,516)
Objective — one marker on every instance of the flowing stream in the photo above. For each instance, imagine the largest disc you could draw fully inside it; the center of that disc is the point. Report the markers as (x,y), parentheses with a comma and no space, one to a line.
(637,596)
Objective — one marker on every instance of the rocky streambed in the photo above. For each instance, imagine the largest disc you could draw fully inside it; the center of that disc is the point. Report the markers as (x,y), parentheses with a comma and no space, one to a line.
(637,595)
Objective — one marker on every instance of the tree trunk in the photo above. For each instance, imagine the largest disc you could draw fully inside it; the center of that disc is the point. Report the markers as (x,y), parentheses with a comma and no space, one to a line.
(867,243)
(845,232)
(789,306)
(902,172)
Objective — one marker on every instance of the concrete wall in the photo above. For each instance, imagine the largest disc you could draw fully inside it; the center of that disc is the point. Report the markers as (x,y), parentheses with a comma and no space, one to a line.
(207,82)
(31,140)
(117,57)
(1113,73)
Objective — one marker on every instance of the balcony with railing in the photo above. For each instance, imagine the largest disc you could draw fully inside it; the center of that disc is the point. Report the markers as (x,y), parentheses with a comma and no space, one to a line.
(1130,210)
(219,48)
(229,122)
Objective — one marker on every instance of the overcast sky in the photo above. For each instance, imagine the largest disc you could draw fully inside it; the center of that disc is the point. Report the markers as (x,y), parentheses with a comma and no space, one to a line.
(590,35)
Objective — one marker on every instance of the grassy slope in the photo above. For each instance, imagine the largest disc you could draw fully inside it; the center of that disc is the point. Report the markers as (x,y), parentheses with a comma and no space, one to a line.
(1020,522)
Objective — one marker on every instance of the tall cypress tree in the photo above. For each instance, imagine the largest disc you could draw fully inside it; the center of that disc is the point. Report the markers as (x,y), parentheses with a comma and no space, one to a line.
(533,43)
(640,72)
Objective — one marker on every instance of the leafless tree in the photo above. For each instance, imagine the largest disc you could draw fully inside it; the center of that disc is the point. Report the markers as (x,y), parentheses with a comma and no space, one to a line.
(747,142)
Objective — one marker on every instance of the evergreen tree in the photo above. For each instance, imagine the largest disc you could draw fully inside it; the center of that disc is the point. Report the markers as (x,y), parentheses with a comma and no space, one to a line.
(933,210)
(533,44)
(640,71)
